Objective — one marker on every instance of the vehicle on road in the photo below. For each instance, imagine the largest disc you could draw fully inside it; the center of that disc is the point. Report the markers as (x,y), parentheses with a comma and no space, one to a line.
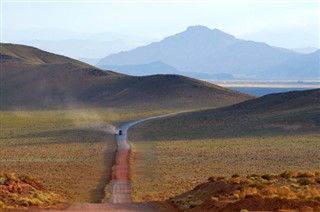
(120,132)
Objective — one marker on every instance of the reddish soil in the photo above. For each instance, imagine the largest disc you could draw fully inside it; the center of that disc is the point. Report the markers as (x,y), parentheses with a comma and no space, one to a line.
(120,186)
(18,192)
(111,207)
(257,203)
(235,194)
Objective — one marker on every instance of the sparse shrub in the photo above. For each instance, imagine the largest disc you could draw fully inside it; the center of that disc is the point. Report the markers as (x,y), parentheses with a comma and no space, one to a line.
(305,181)
(307,174)
(31,181)
(243,210)
(240,193)
(235,176)
(269,191)
(2,206)
(285,192)
(295,185)
(215,199)
(246,181)
(185,206)
(289,174)
(190,196)
(241,187)
(196,203)
(250,191)
(18,193)
(235,180)
(253,176)
(236,196)
(269,176)
(221,178)
(317,198)
(2,180)
(24,203)
(258,185)
(177,201)
(171,199)
(317,180)
(212,179)
(11,176)
(13,196)
(42,197)
(35,202)
(293,180)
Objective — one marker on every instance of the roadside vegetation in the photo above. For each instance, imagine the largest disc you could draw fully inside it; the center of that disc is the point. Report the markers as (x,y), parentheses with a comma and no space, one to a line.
(291,190)
(179,166)
(70,151)
(271,134)
(21,192)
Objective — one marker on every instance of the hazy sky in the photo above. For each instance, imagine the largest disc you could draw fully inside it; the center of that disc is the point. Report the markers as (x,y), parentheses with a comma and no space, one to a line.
(157,19)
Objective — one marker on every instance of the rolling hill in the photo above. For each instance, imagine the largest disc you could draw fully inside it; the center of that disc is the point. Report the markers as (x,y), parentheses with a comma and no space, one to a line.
(200,49)
(289,113)
(34,79)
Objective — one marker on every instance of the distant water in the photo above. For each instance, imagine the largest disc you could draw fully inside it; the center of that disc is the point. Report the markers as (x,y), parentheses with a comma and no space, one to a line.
(264,91)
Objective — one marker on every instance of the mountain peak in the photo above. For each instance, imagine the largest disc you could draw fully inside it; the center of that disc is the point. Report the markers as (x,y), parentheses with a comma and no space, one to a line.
(198,28)
(205,50)
(203,30)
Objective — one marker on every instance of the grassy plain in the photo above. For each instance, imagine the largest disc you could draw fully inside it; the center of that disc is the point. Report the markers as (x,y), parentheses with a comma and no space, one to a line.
(270,134)
(68,150)
(163,169)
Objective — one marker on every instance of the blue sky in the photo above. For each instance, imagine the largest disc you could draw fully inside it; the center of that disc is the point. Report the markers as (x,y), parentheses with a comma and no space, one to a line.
(156,19)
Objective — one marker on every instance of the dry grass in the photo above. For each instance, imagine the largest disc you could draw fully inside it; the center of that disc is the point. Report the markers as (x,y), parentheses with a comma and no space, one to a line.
(23,191)
(236,193)
(48,146)
(178,166)
(59,149)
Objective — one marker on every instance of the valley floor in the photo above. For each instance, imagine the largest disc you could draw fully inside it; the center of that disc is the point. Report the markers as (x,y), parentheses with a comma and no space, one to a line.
(72,154)
(70,151)
(179,166)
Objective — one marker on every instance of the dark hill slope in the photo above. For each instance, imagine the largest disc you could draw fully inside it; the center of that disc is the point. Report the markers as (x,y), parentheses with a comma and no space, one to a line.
(293,100)
(33,56)
(291,112)
(34,79)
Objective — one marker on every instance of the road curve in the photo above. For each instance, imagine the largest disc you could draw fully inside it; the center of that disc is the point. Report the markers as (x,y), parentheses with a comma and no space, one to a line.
(120,186)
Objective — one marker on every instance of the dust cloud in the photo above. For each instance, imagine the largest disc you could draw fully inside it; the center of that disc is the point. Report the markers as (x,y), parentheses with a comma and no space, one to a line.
(90,120)
(104,127)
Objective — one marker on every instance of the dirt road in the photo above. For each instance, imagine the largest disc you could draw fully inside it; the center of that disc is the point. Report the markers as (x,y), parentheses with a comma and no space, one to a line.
(120,186)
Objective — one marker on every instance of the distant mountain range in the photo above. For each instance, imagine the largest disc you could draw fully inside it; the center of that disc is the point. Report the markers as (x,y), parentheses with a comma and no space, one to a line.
(77,48)
(202,50)
(74,44)
(305,50)
(284,39)
(35,79)
(301,67)
(162,68)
